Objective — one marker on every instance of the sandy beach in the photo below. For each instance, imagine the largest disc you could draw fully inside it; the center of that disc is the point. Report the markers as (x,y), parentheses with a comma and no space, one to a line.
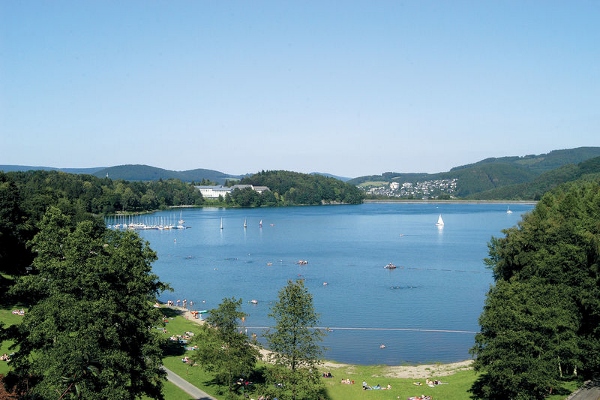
(420,371)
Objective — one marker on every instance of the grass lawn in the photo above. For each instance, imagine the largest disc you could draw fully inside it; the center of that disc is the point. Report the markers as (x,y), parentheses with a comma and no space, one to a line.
(8,318)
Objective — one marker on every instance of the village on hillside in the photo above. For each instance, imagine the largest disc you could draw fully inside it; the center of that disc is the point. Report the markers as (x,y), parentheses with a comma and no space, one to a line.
(419,190)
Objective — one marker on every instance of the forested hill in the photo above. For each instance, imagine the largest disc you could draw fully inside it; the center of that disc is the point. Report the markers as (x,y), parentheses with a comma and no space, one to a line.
(539,164)
(535,189)
(136,172)
(147,173)
(298,188)
(485,178)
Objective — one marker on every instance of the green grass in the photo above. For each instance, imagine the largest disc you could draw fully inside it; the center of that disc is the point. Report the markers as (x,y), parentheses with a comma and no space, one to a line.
(8,319)
(197,376)
(173,392)
(454,388)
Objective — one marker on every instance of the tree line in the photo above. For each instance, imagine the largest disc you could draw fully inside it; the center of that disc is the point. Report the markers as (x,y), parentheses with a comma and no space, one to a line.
(100,195)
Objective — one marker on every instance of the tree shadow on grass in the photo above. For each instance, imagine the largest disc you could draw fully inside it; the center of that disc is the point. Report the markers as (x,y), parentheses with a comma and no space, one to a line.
(172,312)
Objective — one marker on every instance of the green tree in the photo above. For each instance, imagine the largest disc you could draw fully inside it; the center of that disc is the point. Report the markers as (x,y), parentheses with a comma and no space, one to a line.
(528,337)
(222,348)
(295,344)
(542,318)
(88,332)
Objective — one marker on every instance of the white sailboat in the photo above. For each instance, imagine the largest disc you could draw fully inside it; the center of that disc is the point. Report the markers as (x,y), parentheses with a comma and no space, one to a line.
(221,223)
(508,211)
(245,223)
(440,221)
(260,224)
(181,222)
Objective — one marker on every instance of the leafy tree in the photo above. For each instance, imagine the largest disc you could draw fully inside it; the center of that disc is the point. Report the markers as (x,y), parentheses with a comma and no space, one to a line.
(542,317)
(222,348)
(246,197)
(295,344)
(528,337)
(88,332)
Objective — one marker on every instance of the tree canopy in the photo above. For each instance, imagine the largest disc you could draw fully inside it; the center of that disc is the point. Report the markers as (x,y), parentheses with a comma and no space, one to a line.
(294,188)
(88,331)
(90,194)
(541,319)
(222,348)
(295,344)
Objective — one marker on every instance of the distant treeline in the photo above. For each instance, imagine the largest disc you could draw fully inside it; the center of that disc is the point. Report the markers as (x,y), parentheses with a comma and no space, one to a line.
(87,193)
(294,188)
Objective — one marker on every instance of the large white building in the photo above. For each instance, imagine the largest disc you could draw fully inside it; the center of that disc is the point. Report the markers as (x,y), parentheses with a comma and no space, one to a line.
(213,192)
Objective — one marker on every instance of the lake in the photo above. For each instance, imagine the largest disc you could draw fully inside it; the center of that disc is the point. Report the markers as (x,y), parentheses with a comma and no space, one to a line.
(425,310)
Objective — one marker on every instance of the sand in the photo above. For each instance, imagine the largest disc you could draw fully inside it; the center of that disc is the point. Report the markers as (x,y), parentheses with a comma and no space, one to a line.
(420,371)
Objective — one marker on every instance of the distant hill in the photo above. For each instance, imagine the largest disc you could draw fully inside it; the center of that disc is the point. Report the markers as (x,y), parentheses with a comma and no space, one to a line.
(147,173)
(543,162)
(12,168)
(489,175)
(135,173)
(534,189)
(340,178)
(523,177)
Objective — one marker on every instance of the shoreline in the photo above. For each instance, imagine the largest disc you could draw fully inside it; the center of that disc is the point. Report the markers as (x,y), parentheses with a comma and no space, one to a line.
(418,371)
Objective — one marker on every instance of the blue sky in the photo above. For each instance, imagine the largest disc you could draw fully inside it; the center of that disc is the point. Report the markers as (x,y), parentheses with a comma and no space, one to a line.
(350,88)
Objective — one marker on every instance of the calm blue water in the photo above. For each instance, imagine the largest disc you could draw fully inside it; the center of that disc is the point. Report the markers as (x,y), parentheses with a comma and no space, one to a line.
(426,310)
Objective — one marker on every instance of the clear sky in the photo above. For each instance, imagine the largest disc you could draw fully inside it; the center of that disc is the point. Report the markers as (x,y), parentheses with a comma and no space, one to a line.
(350,88)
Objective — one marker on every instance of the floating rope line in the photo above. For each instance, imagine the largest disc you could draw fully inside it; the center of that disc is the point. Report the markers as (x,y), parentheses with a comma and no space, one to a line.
(332,328)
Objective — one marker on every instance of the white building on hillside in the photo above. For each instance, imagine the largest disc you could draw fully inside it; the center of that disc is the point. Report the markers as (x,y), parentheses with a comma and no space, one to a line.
(213,192)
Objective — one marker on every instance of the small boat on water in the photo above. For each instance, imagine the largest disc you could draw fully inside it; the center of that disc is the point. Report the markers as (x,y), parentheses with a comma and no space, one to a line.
(508,211)
(390,266)
(440,221)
